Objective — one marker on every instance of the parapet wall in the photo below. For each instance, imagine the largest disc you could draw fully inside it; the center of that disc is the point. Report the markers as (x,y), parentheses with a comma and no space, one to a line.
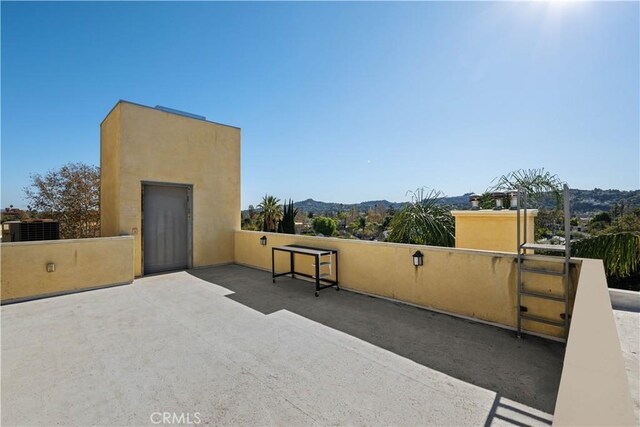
(594,389)
(471,283)
(78,264)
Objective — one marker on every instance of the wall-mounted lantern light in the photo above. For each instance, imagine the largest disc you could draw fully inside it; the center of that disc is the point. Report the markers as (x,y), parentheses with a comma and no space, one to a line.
(263,241)
(418,259)
(475,201)
(498,198)
(513,200)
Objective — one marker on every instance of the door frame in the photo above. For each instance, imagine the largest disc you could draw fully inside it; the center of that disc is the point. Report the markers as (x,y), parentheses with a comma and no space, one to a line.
(189,188)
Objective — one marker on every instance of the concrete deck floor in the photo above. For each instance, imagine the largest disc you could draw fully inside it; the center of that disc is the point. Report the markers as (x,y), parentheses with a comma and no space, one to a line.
(626,310)
(237,350)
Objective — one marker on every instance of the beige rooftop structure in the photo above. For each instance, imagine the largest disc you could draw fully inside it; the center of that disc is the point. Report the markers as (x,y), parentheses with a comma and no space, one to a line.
(491,230)
(151,148)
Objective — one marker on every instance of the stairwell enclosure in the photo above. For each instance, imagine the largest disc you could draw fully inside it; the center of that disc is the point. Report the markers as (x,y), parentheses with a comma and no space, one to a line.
(140,144)
(490,230)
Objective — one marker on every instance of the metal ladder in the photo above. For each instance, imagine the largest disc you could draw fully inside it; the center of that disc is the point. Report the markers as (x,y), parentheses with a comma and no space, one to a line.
(523,256)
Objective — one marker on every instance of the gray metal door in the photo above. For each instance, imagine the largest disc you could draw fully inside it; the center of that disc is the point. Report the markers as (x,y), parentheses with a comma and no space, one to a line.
(165,228)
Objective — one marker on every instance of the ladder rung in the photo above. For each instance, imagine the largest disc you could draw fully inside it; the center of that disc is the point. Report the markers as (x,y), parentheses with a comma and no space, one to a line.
(544,247)
(542,271)
(321,276)
(323,263)
(539,319)
(543,258)
(543,295)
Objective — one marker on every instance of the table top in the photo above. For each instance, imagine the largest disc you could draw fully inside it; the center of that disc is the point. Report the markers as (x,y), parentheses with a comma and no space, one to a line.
(305,250)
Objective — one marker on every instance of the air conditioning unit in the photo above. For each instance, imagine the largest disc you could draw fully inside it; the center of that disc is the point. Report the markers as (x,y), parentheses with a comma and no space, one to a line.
(30,230)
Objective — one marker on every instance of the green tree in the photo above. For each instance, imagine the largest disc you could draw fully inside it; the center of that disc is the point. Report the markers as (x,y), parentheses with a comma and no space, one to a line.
(549,223)
(325,226)
(625,223)
(362,222)
(599,222)
(289,218)
(270,213)
(248,219)
(70,195)
(341,219)
(423,221)
(602,217)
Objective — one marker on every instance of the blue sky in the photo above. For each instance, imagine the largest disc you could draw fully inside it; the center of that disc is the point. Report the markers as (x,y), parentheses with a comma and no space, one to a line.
(340,102)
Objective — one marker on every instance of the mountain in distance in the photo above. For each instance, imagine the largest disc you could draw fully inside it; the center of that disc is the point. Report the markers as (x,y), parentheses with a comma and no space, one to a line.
(598,200)
(317,207)
(583,202)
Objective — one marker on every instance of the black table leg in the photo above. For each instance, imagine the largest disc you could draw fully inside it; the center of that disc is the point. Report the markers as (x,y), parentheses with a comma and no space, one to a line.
(317,275)
(337,286)
(292,263)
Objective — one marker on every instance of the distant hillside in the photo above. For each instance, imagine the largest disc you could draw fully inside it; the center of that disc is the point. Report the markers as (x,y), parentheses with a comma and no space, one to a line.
(597,200)
(583,202)
(319,208)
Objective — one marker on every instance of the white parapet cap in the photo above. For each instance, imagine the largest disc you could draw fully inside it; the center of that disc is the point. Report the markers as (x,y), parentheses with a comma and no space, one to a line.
(494,213)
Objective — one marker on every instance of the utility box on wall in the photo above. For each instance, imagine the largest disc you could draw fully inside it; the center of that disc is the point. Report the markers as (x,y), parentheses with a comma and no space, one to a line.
(144,146)
(491,230)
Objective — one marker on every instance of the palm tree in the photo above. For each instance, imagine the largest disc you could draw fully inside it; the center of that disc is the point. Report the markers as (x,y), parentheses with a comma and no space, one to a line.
(535,182)
(620,252)
(271,212)
(424,221)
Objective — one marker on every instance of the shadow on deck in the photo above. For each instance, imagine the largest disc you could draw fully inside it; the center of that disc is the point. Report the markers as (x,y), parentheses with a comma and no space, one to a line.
(526,370)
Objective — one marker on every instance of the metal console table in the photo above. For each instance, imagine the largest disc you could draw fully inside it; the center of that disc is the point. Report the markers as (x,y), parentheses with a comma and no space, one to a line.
(321,262)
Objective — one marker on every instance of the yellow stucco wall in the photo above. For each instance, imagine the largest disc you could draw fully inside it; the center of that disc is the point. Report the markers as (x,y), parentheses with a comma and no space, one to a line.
(476,284)
(79,264)
(139,144)
(110,173)
(491,230)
